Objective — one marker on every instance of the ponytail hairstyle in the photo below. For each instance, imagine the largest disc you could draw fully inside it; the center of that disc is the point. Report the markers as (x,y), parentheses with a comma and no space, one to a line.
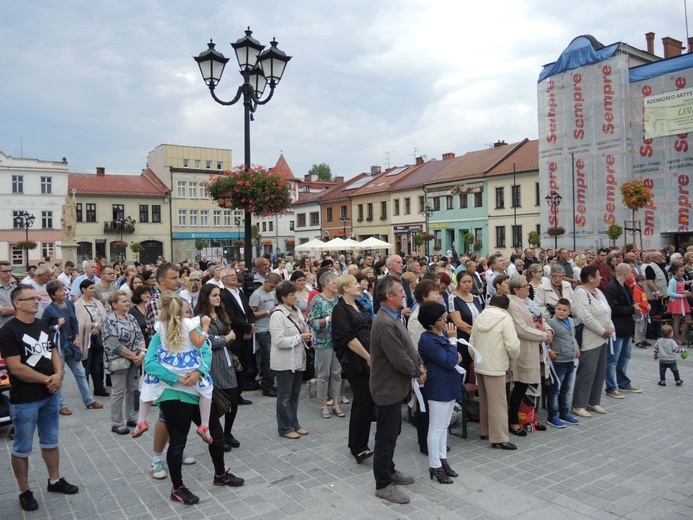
(171,318)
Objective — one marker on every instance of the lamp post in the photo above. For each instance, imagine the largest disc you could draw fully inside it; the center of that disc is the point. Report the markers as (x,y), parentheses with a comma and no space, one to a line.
(258,243)
(257,67)
(25,220)
(427,212)
(237,221)
(345,221)
(554,199)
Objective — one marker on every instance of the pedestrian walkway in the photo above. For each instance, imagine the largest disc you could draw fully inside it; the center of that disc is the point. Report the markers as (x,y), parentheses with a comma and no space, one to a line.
(636,462)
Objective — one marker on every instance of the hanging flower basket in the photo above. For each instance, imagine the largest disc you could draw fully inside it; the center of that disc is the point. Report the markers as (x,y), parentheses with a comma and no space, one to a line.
(556,231)
(120,244)
(478,245)
(26,244)
(257,190)
(427,236)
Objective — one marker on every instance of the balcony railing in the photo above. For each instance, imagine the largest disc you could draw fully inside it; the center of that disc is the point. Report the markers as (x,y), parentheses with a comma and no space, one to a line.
(126,225)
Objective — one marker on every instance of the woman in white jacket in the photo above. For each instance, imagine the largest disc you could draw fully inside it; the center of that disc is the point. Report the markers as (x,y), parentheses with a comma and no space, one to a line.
(288,358)
(495,338)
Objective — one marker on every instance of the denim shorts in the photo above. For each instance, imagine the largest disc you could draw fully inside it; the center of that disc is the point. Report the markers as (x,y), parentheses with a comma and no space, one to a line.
(27,417)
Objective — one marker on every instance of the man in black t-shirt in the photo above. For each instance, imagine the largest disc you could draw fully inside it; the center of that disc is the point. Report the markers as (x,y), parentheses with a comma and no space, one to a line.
(36,375)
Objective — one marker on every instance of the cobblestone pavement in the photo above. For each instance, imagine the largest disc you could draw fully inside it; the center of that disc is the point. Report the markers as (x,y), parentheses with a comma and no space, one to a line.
(635,462)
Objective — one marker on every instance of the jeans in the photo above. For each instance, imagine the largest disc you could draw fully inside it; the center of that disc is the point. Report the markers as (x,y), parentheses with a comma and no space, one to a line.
(93,365)
(671,366)
(77,370)
(558,403)
(27,417)
(263,341)
(288,392)
(617,364)
(388,429)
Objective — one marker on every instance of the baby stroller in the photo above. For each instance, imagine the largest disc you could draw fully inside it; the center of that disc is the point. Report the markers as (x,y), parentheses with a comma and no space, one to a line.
(5,419)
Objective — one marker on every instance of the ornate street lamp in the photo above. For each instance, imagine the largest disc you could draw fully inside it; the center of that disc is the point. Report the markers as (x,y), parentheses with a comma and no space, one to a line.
(427,212)
(258,67)
(25,220)
(554,199)
(345,221)
(258,243)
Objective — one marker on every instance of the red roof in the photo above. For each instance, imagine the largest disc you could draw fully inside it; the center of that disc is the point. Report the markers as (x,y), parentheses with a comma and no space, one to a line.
(282,167)
(144,185)
(525,159)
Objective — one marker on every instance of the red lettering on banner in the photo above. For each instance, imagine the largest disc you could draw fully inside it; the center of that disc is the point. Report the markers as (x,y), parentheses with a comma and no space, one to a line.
(684,202)
(551,136)
(578,102)
(608,91)
(646,150)
(680,83)
(649,211)
(681,144)
(609,217)
(580,194)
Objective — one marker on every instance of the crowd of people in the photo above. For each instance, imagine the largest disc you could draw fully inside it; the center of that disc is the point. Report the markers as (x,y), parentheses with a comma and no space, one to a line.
(194,336)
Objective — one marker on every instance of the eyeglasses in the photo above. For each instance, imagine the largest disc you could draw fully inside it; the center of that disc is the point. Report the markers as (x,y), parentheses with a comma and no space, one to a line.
(194,279)
(31,298)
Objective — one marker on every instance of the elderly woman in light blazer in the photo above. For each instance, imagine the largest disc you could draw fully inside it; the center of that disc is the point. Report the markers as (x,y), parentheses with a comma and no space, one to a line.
(526,369)
(592,311)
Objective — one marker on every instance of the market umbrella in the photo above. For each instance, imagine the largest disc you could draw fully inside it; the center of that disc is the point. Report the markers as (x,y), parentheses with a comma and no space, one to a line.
(314,245)
(374,243)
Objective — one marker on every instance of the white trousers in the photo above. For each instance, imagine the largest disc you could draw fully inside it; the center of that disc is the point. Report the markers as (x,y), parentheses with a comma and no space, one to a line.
(439,414)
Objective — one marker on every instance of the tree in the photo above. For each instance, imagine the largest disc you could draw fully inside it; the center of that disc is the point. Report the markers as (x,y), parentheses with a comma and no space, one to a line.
(614,233)
(322,170)
(533,238)
(635,196)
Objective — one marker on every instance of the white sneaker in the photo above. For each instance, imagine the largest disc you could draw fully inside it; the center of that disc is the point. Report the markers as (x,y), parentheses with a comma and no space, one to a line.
(329,403)
(157,470)
(344,400)
(188,459)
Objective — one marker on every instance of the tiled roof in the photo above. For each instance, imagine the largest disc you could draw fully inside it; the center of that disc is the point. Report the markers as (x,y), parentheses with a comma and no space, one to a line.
(525,159)
(308,198)
(344,190)
(282,167)
(423,174)
(477,163)
(385,180)
(145,185)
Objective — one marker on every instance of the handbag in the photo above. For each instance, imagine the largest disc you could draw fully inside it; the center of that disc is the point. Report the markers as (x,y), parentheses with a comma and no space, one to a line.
(74,351)
(119,364)
(221,402)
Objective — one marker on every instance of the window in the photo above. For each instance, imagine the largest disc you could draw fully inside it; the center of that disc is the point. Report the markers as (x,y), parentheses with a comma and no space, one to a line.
(220,165)
(46,220)
(204,217)
(477,234)
(18,184)
(197,164)
(181,189)
(156,213)
(15,217)
(264,226)
(360,212)
(91,212)
(436,203)
(118,211)
(144,213)
(216,217)
(204,194)
(517,236)
(301,220)
(539,229)
(79,212)
(383,210)
(291,225)
(537,195)
(517,196)
(500,236)
(369,211)
(270,226)
(186,163)
(328,215)
(46,188)
(448,202)
(464,201)
(209,165)
(422,204)
(47,249)
(17,256)
(193,217)
(478,201)
(315,218)
(343,212)
(182,216)
(227,217)
(407,206)
(500,198)
(395,209)
(192,189)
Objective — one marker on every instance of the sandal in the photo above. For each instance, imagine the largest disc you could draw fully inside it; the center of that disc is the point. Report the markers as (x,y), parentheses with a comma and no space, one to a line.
(338,411)
(520,432)
(326,414)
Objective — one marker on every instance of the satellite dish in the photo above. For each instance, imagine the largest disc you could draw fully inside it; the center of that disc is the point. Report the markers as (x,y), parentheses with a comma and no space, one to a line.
(424,157)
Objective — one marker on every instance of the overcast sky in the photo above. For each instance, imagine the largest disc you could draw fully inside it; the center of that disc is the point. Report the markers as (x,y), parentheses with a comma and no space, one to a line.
(103,83)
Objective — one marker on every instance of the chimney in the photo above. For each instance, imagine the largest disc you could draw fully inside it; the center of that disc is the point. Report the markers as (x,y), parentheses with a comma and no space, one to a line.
(375,170)
(690,44)
(499,143)
(339,179)
(64,160)
(448,155)
(650,42)
(671,46)
(419,160)
(101,171)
